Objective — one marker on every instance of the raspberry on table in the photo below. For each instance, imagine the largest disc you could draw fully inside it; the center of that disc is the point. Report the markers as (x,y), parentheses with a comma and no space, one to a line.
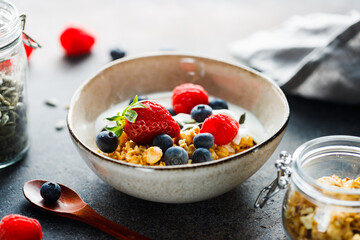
(18,227)
(76,41)
(188,95)
(223,127)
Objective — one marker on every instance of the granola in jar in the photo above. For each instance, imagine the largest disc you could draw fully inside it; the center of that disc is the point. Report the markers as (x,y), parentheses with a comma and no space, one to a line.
(303,219)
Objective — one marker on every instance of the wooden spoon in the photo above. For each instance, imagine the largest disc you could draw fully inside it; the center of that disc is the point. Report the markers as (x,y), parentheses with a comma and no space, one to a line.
(70,205)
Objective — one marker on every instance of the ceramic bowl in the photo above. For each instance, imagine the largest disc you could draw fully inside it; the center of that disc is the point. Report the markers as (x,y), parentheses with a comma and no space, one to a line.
(122,79)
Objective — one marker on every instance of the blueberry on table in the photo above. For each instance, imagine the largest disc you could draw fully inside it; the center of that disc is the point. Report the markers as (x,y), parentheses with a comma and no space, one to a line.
(218,104)
(201,155)
(140,98)
(171,111)
(204,140)
(50,191)
(176,156)
(117,53)
(163,141)
(200,112)
(107,141)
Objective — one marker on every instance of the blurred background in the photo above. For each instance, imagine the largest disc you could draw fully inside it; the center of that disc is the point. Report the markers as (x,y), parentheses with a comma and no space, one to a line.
(205,27)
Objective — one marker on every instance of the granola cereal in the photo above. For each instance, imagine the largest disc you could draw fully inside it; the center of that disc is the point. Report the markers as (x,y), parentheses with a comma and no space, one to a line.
(129,151)
(301,215)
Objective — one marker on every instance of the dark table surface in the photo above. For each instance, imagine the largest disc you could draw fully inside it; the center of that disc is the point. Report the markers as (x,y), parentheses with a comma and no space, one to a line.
(201,27)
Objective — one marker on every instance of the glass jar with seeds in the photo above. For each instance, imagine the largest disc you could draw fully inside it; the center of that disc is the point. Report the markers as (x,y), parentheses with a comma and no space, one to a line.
(14,141)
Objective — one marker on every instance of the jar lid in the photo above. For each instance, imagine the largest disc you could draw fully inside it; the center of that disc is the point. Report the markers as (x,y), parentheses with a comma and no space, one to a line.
(325,157)
(11,24)
(321,157)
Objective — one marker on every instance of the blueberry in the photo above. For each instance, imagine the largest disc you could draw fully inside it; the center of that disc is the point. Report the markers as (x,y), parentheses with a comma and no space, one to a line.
(201,112)
(201,155)
(171,111)
(50,191)
(218,104)
(204,140)
(140,98)
(176,156)
(163,141)
(107,141)
(117,53)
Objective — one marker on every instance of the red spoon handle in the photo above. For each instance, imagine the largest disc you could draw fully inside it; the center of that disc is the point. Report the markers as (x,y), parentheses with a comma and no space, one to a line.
(89,216)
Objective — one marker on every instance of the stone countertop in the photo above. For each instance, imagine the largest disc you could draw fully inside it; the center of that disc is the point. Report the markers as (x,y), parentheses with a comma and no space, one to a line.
(201,27)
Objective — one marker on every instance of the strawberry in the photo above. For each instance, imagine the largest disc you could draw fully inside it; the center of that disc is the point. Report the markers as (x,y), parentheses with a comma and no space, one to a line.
(188,95)
(223,127)
(18,227)
(76,42)
(143,121)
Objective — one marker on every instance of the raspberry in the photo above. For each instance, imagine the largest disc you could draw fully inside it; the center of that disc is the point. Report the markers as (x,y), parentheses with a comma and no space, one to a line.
(188,95)
(223,127)
(18,227)
(76,42)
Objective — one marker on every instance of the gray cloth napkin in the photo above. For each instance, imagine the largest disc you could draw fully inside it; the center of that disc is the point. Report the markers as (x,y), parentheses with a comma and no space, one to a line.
(315,56)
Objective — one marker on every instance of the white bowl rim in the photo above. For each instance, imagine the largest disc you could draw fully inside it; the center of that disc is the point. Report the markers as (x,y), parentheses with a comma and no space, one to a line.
(184,166)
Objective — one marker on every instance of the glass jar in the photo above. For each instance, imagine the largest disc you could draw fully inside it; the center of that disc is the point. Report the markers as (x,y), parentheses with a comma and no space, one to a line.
(14,141)
(323,190)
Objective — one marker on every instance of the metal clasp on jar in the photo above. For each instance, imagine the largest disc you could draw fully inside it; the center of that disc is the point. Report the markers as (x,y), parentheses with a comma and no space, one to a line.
(281,182)
(28,40)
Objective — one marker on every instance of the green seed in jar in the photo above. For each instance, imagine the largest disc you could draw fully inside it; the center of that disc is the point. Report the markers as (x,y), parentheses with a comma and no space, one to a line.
(13,119)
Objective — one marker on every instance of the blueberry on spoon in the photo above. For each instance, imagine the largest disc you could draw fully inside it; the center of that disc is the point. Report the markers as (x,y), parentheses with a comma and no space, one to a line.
(50,191)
